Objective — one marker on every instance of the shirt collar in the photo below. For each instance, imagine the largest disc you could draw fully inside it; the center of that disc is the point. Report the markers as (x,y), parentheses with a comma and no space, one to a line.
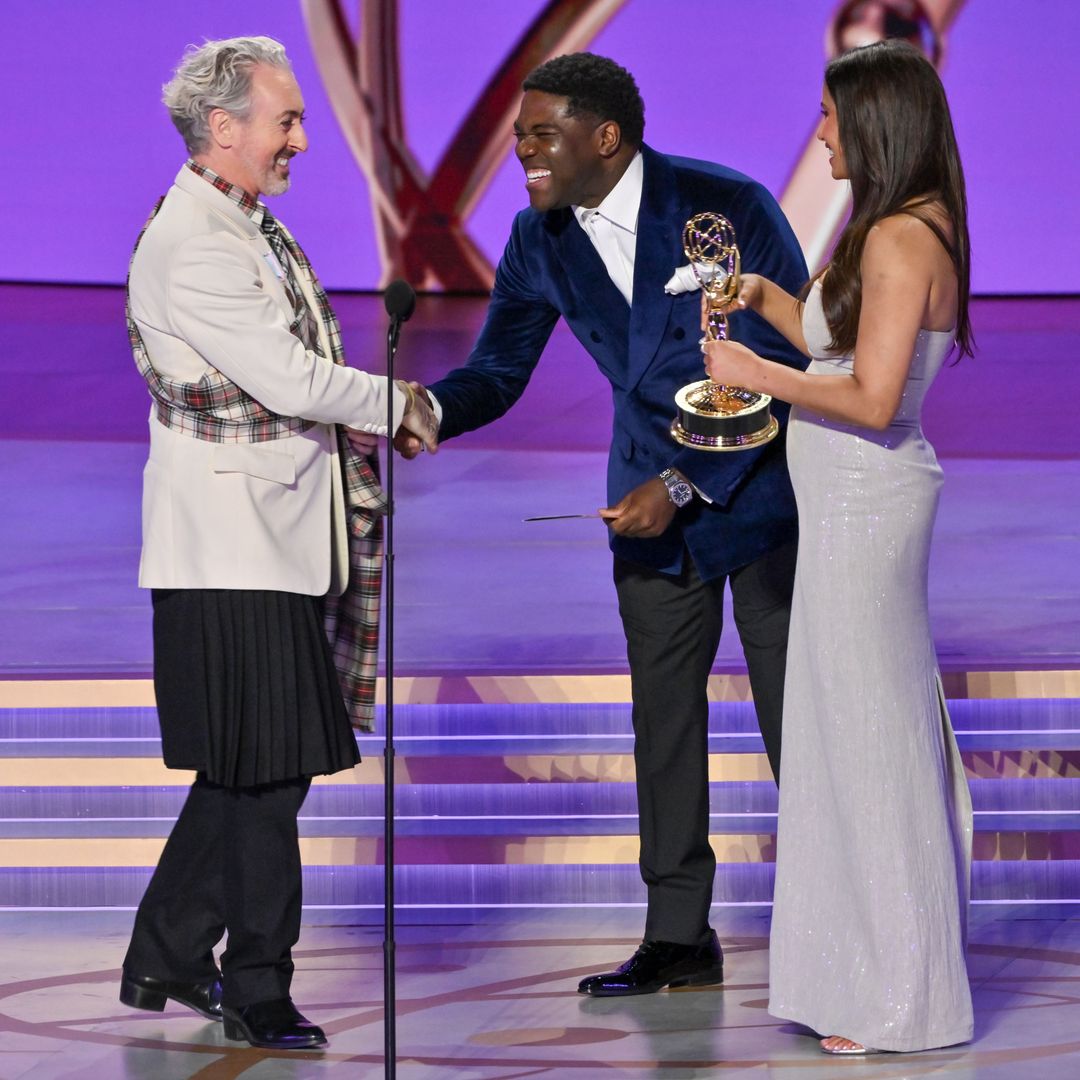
(622,202)
(248,203)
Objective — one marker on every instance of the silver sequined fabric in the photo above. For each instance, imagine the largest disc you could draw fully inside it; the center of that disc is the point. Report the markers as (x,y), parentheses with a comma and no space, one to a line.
(874,835)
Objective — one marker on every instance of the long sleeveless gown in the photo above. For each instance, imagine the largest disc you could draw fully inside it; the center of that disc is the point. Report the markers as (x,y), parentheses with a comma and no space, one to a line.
(874,834)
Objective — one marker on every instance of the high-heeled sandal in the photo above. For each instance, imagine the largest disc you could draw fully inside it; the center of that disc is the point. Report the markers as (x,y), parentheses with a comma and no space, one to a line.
(849,1051)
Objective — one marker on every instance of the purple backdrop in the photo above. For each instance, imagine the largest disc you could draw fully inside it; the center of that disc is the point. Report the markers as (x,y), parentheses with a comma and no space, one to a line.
(90,148)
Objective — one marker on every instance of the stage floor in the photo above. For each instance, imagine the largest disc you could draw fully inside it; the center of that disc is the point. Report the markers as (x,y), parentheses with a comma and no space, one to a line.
(493,996)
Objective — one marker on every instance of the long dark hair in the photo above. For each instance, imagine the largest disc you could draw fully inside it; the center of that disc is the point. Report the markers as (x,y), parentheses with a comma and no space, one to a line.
(900,148)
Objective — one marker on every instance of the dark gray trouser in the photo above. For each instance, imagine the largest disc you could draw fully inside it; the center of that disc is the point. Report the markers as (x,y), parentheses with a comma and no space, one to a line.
(672,627)
(232,861)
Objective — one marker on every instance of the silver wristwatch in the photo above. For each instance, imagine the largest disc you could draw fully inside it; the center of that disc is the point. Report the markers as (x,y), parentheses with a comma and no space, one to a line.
(679,491)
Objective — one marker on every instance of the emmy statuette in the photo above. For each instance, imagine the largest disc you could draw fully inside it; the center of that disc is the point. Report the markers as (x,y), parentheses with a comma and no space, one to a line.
(712,416)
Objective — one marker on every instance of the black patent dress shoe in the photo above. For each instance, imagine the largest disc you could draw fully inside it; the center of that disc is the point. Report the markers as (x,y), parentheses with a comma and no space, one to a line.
(146,992)
(274,1025)
(657,964)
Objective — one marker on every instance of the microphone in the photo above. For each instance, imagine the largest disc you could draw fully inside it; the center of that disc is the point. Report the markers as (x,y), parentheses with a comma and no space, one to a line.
(399,300)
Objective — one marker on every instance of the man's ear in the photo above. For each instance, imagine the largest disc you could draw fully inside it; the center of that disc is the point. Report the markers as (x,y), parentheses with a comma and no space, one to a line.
(222,127)
(610,138)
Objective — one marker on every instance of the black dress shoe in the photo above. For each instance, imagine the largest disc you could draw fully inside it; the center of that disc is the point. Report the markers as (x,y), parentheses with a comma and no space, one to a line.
(657,964)
(275,1025)
(146,992)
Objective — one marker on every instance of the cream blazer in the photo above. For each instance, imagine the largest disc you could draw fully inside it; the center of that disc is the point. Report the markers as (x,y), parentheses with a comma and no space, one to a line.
(205,292)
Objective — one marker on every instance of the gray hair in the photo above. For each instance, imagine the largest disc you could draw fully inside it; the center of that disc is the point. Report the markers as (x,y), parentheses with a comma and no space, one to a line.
(216,75)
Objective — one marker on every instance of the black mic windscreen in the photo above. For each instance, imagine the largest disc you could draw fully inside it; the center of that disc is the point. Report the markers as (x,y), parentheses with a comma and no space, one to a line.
(400,300)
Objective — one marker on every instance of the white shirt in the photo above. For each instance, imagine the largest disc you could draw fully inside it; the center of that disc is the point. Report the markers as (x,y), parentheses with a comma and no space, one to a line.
(612,226)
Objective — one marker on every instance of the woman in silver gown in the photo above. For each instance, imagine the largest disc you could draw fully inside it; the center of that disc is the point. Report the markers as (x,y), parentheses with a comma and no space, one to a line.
(874,835)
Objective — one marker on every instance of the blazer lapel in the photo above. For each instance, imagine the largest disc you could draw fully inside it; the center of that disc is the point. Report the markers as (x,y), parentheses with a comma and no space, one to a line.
(659,252)
(225,209)
(218,202)
(592,288)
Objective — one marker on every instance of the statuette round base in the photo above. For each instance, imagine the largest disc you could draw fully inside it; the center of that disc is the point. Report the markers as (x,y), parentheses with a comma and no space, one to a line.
(722,418)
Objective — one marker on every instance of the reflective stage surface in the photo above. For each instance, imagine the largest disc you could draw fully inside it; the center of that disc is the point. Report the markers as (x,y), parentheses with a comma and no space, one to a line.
(491,995)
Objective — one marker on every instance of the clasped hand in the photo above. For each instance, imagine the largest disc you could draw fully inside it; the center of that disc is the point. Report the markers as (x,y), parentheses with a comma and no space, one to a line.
(419,429)
(419,419)
(408,441)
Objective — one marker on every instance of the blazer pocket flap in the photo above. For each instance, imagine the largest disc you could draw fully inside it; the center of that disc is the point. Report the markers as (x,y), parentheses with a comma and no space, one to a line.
(254,460)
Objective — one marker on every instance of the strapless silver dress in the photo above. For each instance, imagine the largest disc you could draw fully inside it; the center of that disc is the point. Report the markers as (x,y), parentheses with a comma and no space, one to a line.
(874,834)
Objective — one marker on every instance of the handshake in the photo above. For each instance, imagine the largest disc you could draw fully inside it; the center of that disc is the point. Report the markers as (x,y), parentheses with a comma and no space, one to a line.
(419,428)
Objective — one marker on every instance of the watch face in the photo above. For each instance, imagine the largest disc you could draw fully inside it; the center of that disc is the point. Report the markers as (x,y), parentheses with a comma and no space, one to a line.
(681,494)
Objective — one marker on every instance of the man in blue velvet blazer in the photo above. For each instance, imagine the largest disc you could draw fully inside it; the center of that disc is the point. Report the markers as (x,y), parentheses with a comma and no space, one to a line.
(601,240)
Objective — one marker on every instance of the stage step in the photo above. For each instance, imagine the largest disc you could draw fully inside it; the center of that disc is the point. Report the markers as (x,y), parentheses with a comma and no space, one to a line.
(469,810)
(345,893)
(517,728)
(525,803)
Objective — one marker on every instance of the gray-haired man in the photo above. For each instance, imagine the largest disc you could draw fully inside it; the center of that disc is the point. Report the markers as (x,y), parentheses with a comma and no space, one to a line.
(258,508)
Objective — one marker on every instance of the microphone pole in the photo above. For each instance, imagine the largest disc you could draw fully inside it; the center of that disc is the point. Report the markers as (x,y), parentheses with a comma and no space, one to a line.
(400,302)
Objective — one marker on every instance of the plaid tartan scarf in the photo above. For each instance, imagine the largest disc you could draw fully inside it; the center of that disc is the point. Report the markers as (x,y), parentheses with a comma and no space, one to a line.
(217,410)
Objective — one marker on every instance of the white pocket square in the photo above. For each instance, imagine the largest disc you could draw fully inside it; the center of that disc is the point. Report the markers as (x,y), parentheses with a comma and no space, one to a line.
(685,280)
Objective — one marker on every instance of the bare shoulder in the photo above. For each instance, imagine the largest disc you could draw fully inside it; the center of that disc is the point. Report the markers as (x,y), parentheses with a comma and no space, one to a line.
(898,235)
(906,255)
(915,234)
(897,249)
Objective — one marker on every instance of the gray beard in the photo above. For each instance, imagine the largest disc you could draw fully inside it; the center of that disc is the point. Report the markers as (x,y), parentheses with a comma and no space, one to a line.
(275,185)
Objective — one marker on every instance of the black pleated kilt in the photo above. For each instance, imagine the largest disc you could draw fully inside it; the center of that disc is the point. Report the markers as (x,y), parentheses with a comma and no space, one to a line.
(246,687)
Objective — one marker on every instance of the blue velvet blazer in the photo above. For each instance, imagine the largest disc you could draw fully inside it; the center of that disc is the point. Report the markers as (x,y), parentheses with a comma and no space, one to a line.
(647,350)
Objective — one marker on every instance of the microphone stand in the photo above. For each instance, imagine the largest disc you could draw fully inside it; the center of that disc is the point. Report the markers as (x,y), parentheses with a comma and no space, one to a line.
(389,979)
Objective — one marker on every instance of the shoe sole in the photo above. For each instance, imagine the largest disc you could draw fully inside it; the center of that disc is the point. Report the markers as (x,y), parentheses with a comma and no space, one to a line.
(700,978)
(237,1032)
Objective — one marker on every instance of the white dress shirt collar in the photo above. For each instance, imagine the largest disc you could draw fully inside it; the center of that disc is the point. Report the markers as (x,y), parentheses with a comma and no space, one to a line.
(622,202)
(612,227)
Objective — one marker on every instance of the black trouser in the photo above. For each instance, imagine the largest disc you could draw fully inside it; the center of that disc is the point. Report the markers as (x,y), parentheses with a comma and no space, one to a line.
(232,862)
(672,627)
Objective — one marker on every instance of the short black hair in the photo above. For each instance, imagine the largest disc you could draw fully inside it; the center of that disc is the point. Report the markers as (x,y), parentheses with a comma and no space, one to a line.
(596,86)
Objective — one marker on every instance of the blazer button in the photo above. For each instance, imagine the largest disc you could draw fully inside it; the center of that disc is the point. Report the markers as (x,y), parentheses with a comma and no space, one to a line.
(594,335)
(679,333)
